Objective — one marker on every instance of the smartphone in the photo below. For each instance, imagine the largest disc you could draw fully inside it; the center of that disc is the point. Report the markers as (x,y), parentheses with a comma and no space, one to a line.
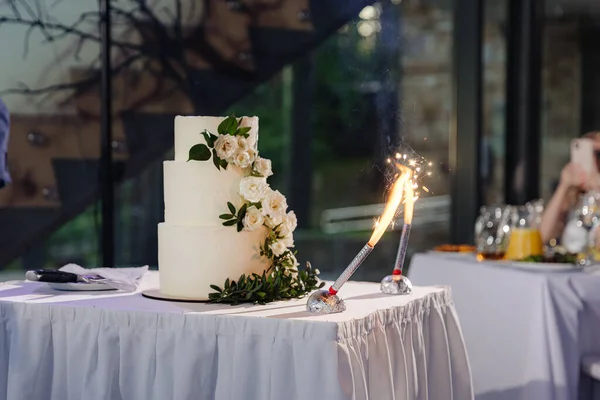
(583,154)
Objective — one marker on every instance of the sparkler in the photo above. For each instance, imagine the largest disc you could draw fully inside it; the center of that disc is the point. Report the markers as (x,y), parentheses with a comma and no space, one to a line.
(398,283)
(327,301)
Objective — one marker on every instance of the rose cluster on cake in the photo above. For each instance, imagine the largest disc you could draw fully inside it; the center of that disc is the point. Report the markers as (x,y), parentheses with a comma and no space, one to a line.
(262,210)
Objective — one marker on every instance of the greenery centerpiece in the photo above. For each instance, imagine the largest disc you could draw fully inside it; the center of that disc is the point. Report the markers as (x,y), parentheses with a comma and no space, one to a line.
(235,143)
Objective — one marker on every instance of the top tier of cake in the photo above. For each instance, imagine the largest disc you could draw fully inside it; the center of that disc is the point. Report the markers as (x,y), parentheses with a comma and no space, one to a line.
(196,192)
(188,132)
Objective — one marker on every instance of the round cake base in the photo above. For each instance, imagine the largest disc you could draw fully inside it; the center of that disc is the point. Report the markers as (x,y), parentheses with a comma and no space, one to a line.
(156,294)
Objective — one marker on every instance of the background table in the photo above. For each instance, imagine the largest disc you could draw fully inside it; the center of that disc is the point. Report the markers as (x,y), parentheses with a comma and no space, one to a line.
(525,332)
(103,345)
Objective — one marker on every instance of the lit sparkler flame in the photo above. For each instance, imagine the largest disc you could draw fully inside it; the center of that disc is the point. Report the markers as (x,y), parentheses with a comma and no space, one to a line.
(390,209)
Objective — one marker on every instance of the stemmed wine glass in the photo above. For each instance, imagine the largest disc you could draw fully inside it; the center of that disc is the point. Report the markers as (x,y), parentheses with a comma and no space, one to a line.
(589,216)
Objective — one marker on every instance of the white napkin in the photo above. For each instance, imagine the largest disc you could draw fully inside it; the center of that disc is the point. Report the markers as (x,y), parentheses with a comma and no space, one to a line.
(128,275)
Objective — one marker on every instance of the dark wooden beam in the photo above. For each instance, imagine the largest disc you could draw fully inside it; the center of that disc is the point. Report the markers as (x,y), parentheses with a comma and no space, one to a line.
(465,135)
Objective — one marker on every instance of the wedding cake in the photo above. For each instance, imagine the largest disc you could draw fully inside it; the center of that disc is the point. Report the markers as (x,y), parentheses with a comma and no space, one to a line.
(222,219)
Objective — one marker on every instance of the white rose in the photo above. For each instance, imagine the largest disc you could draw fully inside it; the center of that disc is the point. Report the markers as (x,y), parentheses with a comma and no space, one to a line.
(275,205)
(251,123)
(278,247)
(242,143)
(253,188)
(252,154)
(288,241)
(289,224)
(242,159)
(272,222)
(263,167)
(253,219)
(226,146)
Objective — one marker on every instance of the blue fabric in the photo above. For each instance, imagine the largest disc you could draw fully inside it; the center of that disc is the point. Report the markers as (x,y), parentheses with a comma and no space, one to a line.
(4,130)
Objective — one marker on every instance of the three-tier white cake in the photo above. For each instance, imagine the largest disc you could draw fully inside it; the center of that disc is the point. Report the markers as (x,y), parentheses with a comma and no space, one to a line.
(195,249)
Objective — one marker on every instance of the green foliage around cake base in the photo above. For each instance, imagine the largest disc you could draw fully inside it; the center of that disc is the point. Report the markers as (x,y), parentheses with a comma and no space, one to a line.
(278,283)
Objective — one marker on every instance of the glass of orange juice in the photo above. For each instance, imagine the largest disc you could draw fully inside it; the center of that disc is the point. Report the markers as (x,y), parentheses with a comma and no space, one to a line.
(525,239)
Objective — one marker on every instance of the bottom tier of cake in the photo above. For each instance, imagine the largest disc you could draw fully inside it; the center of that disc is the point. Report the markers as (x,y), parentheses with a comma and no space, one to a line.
(191,258)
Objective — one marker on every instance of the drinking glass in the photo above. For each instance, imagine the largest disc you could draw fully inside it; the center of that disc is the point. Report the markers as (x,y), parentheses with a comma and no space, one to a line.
(589,215)
(491,230)
(525,238)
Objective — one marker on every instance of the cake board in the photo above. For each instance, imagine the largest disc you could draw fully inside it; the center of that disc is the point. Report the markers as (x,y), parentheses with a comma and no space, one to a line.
(156,294)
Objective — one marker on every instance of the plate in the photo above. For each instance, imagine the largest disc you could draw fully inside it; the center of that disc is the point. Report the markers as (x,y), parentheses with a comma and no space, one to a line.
(546,267)
(80,286)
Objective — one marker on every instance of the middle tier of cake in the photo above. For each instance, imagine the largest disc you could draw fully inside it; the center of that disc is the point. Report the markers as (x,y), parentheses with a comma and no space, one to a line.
(196,193)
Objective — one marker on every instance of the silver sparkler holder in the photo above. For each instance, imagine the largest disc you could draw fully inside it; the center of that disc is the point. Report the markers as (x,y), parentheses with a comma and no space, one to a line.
(327,301)
(398,283)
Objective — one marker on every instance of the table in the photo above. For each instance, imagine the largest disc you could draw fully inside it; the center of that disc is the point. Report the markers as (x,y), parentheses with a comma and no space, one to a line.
(525,332)
(109,345)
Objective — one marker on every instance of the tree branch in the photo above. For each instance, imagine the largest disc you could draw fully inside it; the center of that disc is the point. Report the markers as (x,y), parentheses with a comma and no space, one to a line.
(63,29)
(77,86)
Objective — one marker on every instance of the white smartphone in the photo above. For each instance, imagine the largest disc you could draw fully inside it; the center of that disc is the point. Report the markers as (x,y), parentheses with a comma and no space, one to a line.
(583,154)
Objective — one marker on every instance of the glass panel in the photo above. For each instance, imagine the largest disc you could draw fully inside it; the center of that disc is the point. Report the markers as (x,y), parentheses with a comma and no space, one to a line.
(562,96)
(494,101)
(53,144)
(384,76)
(571,81)
(400,54)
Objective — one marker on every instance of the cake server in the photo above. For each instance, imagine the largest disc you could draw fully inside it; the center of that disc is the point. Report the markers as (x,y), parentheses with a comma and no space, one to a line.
(57,276)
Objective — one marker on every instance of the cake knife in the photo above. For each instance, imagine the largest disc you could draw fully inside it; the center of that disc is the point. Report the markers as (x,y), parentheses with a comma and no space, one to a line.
(57,276)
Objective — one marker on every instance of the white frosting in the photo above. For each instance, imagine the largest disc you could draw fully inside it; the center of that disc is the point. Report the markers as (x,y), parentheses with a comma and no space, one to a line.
(191,258)
(194,249)
(196,192)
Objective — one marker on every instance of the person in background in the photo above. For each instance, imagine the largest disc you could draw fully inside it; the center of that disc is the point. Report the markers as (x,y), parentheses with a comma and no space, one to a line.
(4,130)
(573,182)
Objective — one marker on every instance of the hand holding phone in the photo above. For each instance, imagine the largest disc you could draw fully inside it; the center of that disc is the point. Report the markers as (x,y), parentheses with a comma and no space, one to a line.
(583,154)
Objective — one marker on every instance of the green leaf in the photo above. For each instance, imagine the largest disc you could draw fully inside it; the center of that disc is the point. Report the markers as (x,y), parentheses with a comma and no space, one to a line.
(230,222)
(228,126)
(242,211)
(240,226)
(226,216)
(199,152)
(224,164)
(216,288)
(231,207)
(216,159)
(243,131)
(272,285)
(210,139)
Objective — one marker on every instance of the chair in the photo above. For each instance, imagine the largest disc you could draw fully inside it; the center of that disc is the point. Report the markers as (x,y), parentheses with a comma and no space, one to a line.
(590,368)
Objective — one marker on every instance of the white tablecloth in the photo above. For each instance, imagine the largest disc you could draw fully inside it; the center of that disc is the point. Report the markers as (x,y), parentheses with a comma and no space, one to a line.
(525,331)
(102,345)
